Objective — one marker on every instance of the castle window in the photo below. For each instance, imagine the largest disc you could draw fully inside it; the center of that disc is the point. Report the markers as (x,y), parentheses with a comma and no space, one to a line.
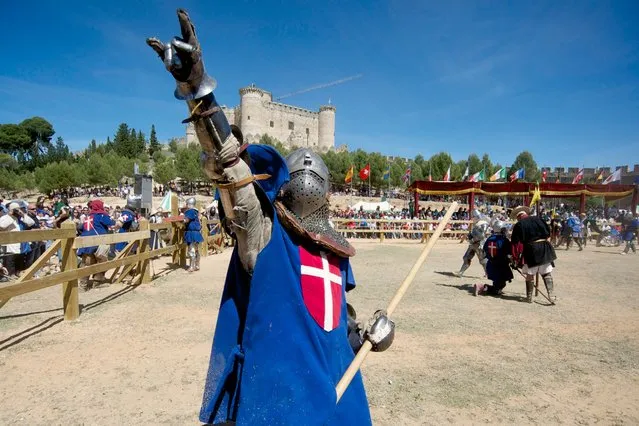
(307,131)
(291,125)
(248,118)
(272,124)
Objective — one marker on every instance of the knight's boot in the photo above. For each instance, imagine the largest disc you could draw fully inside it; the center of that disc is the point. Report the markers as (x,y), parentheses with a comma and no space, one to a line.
(530,286)
(462,270)
(549,287)
(197,262)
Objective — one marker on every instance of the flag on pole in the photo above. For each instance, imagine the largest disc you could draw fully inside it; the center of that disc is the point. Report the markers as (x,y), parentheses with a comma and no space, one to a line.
(558,177)
(499,174)
(613,177)
(430,173)
(365,172)
(536,196)
(600,176)
(478,177)
(349,175)
(447,175)
(165,204)
(406,176)
(544,175)
(578,177)
(465,173)
(387,173)
(519,174)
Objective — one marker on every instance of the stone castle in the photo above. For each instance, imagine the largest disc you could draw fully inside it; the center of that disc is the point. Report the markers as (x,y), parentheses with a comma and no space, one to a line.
(257,115)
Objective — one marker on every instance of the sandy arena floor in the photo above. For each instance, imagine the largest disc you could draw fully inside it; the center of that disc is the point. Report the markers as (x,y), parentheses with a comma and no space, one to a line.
(139,356)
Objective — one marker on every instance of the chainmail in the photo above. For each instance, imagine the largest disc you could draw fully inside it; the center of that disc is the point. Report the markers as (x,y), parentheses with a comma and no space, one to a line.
(317,222)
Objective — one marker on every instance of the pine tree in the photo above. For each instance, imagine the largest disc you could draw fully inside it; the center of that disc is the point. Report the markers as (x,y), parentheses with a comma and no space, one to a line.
(121,141)
(133,144)
(154,145)
(140,146)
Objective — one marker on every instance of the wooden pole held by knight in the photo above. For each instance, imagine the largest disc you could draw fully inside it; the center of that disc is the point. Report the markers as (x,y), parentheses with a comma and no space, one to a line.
(357,362)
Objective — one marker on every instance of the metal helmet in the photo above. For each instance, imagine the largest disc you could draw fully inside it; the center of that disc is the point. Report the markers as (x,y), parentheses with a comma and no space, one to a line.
(499,226)
(307,189)
(133,202)
(190,202)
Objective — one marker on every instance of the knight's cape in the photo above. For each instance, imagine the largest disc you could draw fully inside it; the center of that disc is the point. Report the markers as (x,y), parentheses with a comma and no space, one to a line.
(273,362)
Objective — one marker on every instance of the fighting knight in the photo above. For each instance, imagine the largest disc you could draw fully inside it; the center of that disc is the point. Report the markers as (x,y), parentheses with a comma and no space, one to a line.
(476,238)
(282,333)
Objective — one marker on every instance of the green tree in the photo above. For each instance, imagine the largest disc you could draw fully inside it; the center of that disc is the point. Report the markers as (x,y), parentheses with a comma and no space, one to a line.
(14,138)
(140,146)
(58,152)
(40,133)
(173,145)
(440,163)
(154,144)
(525,160)
(122,141)
(164,172)
(187,163)
(487,165)
(474,164)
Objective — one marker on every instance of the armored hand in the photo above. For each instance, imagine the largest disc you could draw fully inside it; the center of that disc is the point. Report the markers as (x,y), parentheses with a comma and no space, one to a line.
(182,57)
(380,331)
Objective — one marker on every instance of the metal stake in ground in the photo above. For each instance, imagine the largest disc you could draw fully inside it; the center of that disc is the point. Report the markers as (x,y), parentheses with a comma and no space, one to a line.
(367,346)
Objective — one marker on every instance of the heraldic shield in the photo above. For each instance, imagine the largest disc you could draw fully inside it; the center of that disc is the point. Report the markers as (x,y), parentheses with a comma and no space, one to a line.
(321,282)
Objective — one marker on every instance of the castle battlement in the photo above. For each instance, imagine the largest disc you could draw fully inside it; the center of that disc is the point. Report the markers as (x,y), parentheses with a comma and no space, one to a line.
(257,115)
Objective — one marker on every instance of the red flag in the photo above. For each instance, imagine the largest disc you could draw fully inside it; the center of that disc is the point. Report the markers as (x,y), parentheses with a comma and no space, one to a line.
(578,177)
(365,172)
(544,175)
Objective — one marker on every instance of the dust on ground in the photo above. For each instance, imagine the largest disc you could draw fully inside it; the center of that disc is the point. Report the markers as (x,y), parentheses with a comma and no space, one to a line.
(139,356)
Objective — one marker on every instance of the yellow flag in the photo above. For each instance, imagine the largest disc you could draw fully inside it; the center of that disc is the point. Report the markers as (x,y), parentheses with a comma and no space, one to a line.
(536,196)
(349,175)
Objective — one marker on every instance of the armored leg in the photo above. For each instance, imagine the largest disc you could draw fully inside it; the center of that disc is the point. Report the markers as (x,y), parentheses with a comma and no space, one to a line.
(197,256)
(468,257)
(549,286)
(530,286)
(192,252)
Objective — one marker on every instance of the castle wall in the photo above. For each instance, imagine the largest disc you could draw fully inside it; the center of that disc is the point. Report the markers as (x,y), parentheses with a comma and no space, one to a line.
(257,115)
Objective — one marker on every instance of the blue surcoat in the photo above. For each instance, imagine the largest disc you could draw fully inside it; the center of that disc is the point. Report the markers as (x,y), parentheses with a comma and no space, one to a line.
(279,349)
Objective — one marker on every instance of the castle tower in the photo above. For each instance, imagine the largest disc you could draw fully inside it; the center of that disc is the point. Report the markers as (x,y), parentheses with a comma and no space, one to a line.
(252,101)
(326,128)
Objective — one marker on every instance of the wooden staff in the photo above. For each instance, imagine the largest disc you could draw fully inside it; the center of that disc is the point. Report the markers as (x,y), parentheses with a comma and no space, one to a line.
(367,346)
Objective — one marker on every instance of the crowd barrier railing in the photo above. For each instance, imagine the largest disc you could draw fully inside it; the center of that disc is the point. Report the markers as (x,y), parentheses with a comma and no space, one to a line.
(123,265)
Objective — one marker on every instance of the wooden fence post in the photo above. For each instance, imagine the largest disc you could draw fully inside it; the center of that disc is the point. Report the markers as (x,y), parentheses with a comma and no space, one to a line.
(70,302)
(175,211)
(144,247)
(204,245)
(381,234)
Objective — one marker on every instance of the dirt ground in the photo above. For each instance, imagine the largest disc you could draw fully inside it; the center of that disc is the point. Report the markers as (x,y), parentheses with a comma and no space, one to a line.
(139,356)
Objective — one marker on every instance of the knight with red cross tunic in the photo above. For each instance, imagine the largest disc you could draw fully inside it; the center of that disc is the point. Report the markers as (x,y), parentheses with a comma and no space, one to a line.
(497,250)
(285,334)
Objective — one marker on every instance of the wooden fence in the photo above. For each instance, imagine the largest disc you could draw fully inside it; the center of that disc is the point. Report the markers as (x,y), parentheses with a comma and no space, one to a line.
(122,265)
(383,228)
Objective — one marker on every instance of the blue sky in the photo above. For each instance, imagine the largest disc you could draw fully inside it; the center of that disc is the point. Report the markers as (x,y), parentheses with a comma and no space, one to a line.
(560,79)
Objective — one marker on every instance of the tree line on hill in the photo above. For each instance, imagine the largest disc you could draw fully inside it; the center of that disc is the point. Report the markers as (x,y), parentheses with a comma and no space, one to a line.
(30,160)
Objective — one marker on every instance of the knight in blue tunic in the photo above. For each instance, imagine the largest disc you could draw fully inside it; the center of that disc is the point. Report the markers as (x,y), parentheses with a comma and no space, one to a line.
(498,252)
(285,334)
(193,234)
(98,222)
(127,221)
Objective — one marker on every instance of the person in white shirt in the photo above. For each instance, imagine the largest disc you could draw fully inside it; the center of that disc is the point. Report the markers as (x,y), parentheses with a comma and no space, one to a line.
(9,222)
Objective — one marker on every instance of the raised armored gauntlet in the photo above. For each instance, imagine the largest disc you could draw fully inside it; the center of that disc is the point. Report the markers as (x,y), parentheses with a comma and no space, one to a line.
(182,57)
